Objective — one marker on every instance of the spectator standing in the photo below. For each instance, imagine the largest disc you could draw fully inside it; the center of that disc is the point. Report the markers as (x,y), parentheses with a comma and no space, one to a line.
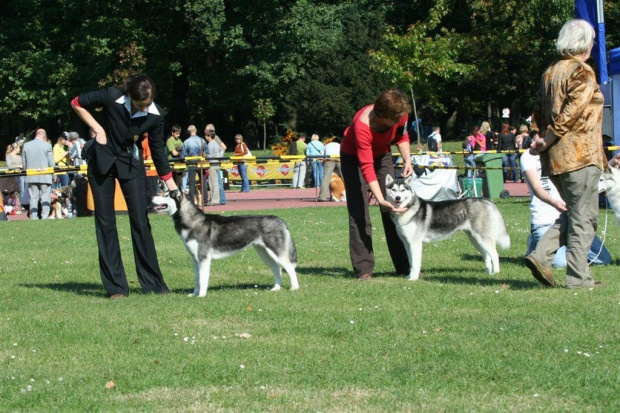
(366,158)
(332,164)
(75,152)
(174,144)
(299,171)
(468,146)
(241,149)
(434,140)
(568,117)
(152,180)
(194,146)
(215,151)
(507,143)
(38,154)
(210,130)
(316,148)
(523,137)
(116,154)
(61,158)
(486,137)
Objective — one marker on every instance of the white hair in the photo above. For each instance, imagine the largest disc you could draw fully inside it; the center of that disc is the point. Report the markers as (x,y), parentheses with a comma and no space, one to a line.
(575,38)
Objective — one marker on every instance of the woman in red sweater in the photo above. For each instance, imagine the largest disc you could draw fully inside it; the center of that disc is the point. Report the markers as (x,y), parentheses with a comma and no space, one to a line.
(366,159)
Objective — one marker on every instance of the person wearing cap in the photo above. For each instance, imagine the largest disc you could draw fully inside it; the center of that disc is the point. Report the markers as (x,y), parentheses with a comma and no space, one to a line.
(116,154)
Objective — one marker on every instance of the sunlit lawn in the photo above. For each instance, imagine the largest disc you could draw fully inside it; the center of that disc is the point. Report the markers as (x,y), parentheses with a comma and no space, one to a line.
(456,340)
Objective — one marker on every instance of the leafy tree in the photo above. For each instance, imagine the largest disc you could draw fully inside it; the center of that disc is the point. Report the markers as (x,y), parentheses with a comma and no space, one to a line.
(263,111)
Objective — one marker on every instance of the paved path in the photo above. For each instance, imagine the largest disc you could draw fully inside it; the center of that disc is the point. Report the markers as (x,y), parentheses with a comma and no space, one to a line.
(286,197)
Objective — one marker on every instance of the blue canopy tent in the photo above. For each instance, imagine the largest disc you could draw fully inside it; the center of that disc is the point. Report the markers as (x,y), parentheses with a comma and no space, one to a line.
(592,11)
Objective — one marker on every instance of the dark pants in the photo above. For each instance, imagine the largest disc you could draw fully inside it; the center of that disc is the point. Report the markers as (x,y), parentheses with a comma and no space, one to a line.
(360,228)
(110,262)
(191,185)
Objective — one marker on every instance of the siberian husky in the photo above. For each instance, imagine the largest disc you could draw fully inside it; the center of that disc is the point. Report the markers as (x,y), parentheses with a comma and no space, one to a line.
(426,221)
(610,183)
(209,237)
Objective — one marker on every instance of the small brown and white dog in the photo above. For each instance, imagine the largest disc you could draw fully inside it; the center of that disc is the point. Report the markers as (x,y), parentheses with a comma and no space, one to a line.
(58,206)
(336,187)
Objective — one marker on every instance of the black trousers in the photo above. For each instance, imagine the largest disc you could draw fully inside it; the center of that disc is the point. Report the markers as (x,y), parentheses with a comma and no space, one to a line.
(191,184)
(360,228)
(110,262)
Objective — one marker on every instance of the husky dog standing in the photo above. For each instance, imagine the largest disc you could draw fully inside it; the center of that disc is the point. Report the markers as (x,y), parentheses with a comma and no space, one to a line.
(610,183)
(209,237)
(426,221)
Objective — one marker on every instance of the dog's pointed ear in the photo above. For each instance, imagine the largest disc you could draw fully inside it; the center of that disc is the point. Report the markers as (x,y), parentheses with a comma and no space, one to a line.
(388,179)
(409,180)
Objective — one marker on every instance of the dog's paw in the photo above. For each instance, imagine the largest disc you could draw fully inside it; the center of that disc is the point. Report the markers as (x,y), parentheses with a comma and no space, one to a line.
(192,295)
(276,288)
(294,287)
(414,277)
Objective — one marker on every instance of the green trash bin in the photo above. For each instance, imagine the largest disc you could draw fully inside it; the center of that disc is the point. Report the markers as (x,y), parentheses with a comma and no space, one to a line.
(493,181)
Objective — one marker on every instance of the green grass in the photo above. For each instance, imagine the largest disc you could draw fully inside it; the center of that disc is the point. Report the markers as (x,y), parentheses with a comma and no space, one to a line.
(456,340)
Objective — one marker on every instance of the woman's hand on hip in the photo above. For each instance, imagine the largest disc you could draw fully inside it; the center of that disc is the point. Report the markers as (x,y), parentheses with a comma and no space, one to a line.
(101,137)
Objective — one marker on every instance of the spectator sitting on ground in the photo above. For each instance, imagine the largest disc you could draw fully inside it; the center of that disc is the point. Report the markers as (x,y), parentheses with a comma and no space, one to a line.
(546,206)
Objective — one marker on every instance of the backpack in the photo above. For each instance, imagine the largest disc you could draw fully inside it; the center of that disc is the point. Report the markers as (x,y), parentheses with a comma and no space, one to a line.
(527,142)
(432,142)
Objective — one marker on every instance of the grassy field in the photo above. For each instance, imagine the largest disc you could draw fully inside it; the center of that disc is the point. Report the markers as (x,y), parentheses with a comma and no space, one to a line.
(456,340)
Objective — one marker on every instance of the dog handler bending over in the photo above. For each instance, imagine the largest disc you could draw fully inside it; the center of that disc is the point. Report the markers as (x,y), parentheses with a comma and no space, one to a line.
(366,159)
(116,152)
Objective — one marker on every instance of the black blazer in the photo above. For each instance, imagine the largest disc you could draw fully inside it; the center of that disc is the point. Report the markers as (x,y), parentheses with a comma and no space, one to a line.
(124,134)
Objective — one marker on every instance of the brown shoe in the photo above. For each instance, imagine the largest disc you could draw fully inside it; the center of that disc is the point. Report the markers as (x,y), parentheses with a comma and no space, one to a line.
(364,277)
(544,275)
(117,296)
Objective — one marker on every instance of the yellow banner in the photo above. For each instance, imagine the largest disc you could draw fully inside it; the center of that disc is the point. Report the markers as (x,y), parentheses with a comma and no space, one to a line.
(263,171)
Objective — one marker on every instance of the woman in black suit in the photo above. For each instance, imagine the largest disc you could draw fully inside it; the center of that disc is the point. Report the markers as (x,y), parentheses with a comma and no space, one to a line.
(116,153)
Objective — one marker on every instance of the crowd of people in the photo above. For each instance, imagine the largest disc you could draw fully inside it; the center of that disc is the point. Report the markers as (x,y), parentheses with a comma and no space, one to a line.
(67,152)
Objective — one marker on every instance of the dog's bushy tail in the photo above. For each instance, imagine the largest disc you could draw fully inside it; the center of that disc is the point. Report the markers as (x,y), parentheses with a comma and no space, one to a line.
(498,226)
(290,246)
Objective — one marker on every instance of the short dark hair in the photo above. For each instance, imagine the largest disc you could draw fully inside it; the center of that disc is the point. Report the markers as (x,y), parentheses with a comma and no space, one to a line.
(175,128)
(139,87)
(392,104)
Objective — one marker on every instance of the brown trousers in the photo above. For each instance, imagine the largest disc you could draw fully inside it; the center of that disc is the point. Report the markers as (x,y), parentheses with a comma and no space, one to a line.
(360,228)
(576,227)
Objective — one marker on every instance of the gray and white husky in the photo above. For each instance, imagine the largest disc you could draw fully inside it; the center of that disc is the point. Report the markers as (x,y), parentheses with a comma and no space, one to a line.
(610,183)
(426,221)
(209,237)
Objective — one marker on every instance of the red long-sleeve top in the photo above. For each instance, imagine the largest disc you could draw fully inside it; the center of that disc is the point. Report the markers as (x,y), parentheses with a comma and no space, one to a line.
(361,141)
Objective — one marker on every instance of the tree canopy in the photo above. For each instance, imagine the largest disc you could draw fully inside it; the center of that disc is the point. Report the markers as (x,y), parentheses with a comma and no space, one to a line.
(317,62)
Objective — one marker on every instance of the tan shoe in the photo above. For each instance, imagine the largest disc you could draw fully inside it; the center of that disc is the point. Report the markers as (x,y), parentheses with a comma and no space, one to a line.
(364,277)
(544,275)
(117,296)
